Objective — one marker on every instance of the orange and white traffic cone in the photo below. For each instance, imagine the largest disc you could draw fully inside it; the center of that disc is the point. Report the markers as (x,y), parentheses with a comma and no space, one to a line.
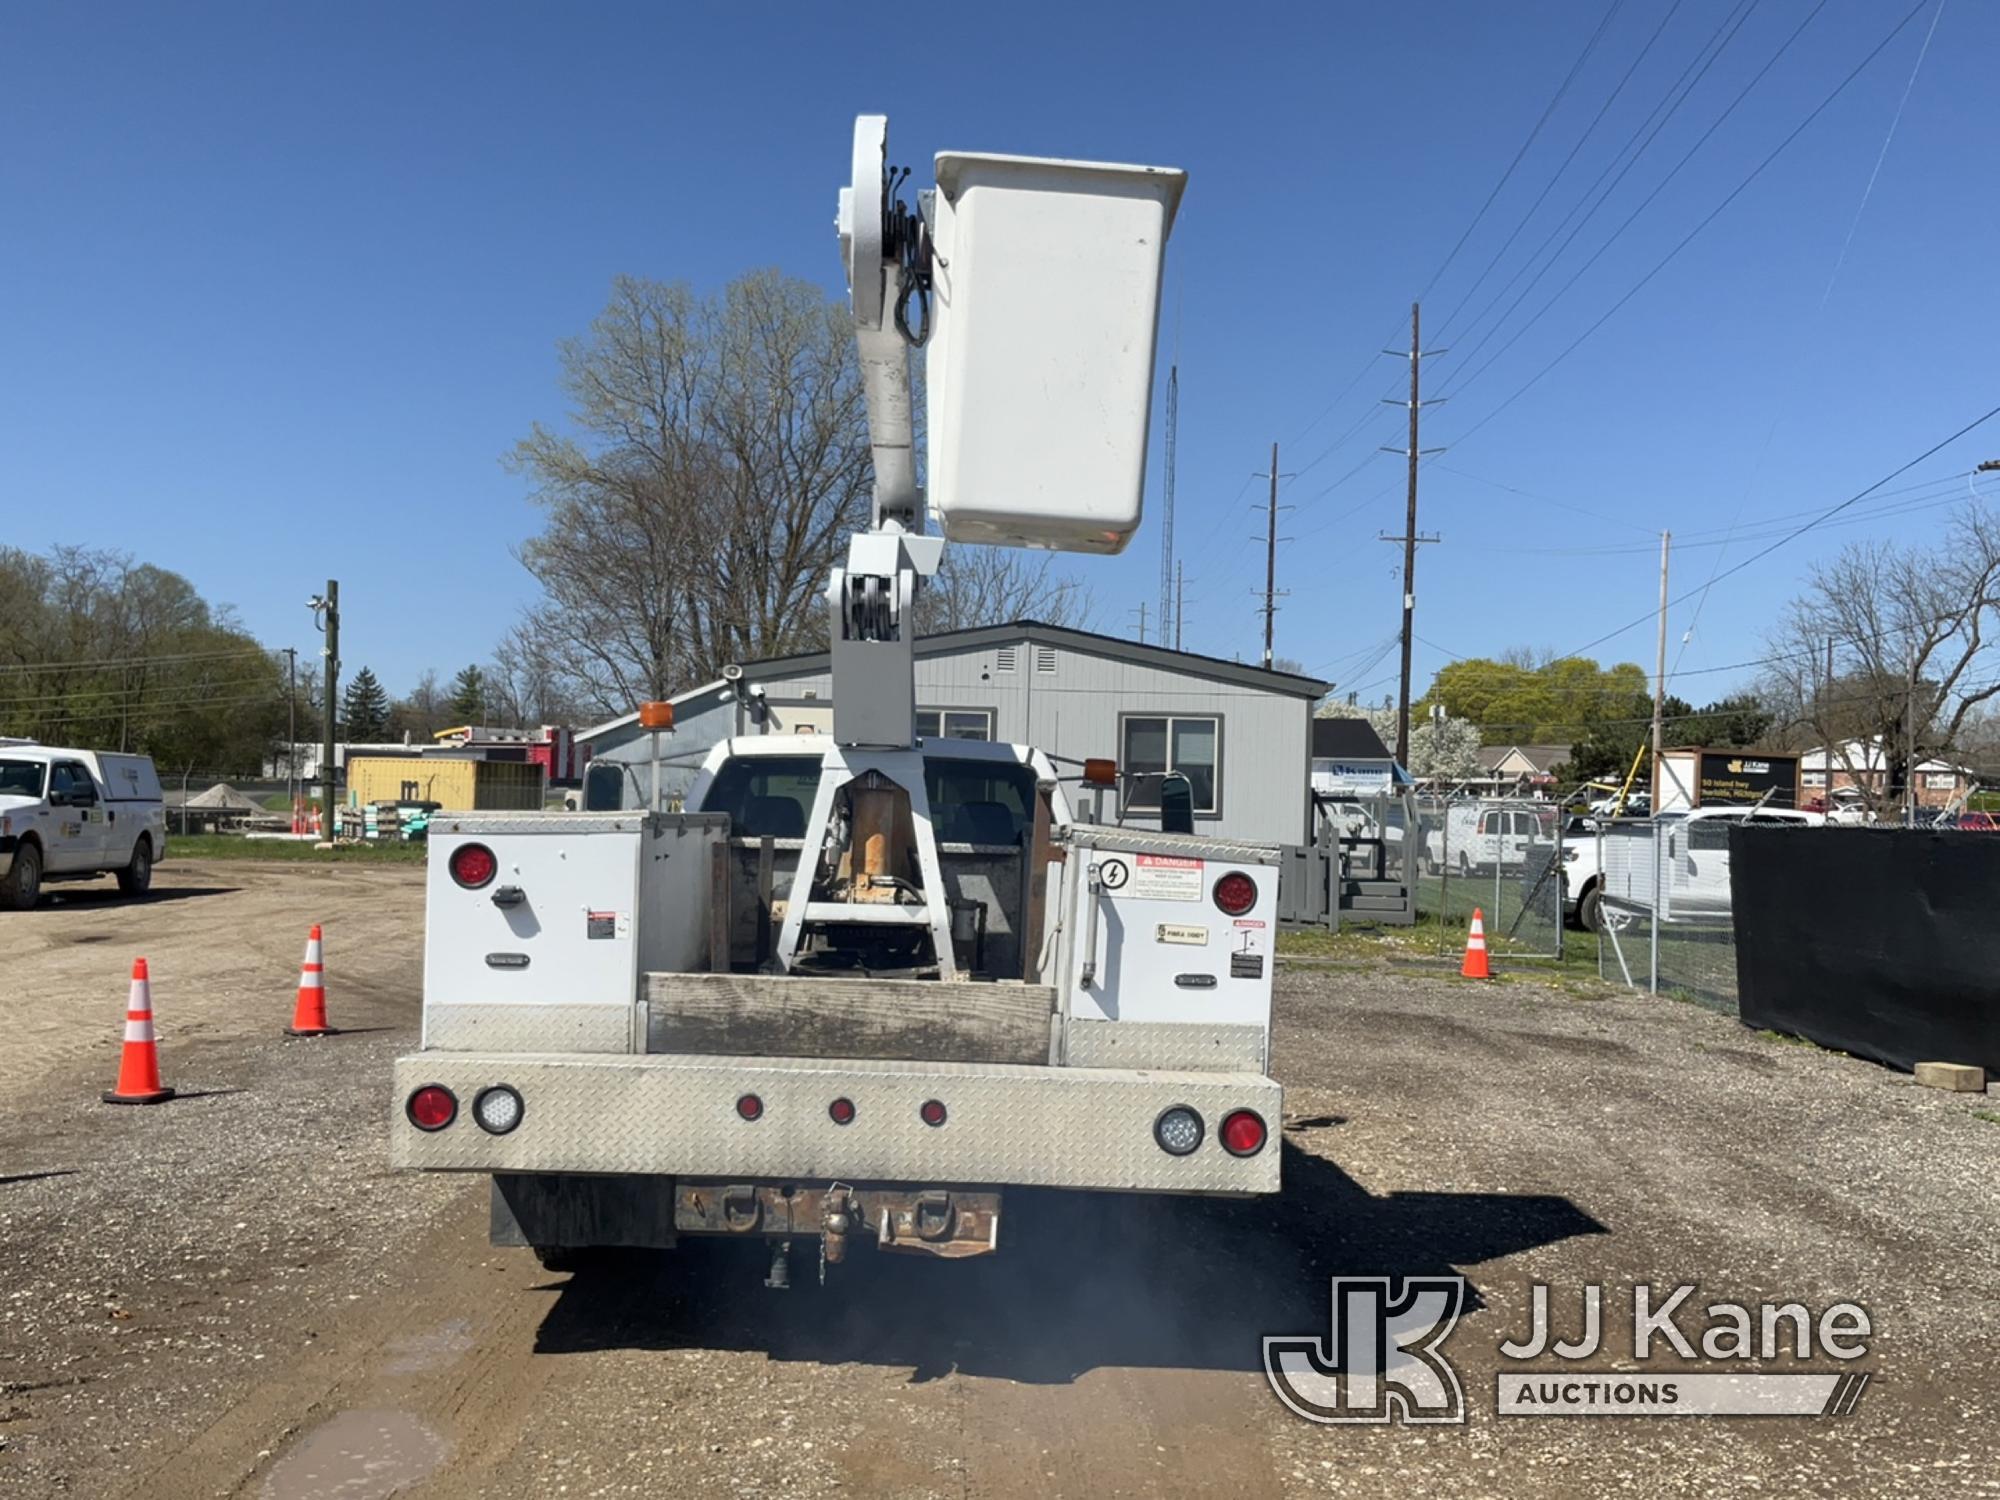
(309,1015)
(1475,966)
(139,1066)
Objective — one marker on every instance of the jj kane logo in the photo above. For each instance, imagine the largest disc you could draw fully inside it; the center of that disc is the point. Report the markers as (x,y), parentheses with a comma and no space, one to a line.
(1382,1358)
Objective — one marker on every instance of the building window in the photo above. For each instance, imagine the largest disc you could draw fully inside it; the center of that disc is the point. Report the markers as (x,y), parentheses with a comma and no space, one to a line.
(955,723)
(1155,745)
(1812,778)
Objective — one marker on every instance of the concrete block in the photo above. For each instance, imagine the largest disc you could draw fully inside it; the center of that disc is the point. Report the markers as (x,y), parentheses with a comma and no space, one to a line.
(1959,1078)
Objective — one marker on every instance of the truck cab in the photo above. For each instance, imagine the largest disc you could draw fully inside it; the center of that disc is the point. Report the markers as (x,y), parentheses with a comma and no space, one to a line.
(74,815)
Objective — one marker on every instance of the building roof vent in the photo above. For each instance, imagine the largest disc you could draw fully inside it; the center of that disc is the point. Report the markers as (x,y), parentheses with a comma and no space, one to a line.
(1045,658)
(1003,659)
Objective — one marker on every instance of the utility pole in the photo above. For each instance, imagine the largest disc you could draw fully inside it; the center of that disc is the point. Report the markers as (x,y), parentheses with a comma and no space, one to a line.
(1168,605)
(1910,744)
(1660,676)
(1410,537)
(1271,559)
(1142,622)
(1180,603)
(292,728)
(326,614)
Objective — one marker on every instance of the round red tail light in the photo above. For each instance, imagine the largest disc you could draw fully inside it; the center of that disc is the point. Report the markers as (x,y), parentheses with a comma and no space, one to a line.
(473,865)
(1243,1133)
(431,1107)
(750,1107)
(932,1112)
(1235,893)
(841,1111)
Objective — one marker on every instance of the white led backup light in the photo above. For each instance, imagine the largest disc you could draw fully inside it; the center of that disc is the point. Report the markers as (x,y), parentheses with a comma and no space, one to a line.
(1178,1130)
(498,1109)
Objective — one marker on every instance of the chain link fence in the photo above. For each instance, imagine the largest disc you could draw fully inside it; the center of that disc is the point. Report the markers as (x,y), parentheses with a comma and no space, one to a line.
(1500,856)
(1665,923)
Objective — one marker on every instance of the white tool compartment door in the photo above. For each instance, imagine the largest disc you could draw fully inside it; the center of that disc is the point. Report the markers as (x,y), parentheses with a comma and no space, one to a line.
(570,938)
(1164,950)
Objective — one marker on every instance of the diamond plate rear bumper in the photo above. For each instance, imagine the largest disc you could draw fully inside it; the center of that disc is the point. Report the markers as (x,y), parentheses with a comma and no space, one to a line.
(675,1114)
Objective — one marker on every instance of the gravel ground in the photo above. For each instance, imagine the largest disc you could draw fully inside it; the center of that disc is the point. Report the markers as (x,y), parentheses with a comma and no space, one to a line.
(229,1295)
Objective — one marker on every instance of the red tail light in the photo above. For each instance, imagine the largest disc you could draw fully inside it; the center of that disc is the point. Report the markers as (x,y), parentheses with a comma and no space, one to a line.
(473,865)
(932,1112)
(1243,1133)
(750,1107)
(431,1107)
(1235,893)
(841,1111)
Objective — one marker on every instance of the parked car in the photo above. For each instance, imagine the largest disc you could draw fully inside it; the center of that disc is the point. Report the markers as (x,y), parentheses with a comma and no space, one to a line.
(1583,885)
(1983,822)
(1474,840)
(1697,852)
(75,814)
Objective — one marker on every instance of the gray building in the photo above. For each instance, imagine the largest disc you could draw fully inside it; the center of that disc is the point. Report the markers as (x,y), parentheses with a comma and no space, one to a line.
(1240,734)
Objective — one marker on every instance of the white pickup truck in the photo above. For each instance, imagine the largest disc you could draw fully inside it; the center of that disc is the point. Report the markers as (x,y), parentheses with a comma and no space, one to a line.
(615,1029)
(869,982)
(76,814)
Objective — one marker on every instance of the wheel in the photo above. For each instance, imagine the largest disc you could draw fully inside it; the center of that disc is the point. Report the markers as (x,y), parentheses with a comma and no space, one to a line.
(1431,866)
(1590,909)
(137,876)
(24,881)
(1464,867)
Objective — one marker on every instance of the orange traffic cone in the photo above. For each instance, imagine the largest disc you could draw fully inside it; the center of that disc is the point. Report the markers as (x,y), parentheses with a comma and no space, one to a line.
(309,1015)
(139,1067)
(1475,966)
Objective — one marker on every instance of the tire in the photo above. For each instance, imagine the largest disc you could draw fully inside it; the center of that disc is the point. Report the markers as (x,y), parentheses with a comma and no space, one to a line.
(1590,909)
(1464,867)
(23,885)
(137,876)
(1431,866)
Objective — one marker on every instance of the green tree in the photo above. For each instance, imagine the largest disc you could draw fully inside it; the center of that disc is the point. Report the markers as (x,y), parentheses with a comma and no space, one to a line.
(102,651)
(364,709)
(468,695)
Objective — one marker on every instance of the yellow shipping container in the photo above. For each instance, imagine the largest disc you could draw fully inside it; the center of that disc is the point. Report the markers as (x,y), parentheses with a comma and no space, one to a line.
(457,785)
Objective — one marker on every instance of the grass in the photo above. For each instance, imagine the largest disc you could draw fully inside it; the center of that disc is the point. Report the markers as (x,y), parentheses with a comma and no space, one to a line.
(233,846)
(1989,1116)
(1432,941)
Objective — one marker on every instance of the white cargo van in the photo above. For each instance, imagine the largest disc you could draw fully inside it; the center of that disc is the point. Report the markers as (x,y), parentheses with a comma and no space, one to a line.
(76,814)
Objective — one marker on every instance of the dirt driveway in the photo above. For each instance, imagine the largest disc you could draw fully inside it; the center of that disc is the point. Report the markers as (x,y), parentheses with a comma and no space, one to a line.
(230,1295)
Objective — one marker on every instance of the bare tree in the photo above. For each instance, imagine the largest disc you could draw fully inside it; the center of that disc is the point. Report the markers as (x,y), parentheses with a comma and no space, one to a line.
(717,461)
(1886,650)
(720,455)
(993,585)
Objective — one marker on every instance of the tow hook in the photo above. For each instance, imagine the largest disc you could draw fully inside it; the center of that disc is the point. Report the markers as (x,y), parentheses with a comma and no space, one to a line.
(933,1215)
(740,1209)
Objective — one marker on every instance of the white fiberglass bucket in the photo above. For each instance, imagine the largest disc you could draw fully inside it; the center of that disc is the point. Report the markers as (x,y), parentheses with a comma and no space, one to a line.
(1039,372)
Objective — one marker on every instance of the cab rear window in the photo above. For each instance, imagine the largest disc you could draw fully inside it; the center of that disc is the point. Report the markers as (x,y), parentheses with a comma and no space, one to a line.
(972,801)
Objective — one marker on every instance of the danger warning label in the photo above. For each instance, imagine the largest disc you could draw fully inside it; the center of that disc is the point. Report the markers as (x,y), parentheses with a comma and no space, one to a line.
(1167,877)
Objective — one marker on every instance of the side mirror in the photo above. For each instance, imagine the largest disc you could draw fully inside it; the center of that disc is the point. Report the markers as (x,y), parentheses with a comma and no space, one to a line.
(1176,803)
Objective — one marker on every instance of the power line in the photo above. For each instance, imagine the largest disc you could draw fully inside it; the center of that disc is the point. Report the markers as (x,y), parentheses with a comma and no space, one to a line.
(1706,220)
(1800,530)
(135,661)
(1638,144)
(1557,175)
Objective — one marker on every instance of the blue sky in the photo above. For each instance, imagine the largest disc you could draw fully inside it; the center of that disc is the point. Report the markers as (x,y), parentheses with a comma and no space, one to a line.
(283,284)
